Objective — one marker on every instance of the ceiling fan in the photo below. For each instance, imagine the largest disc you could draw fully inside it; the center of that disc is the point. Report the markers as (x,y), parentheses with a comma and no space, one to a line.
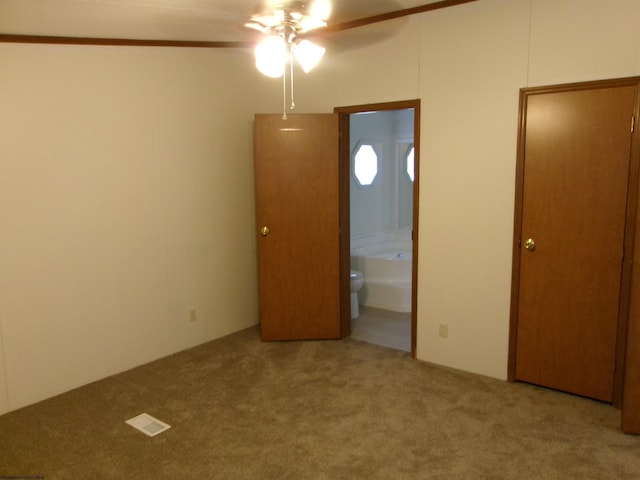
(284,28)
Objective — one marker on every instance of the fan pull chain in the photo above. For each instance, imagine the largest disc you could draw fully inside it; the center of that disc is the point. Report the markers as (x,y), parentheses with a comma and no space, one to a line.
(293,104)
(284,95)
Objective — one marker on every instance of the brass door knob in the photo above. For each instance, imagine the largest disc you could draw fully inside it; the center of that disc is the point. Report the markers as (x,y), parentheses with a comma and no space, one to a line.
(529,244)
(264,231)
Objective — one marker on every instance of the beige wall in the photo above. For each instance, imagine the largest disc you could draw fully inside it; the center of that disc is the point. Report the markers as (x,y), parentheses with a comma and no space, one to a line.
(126,187)
(474,62)
(126,183)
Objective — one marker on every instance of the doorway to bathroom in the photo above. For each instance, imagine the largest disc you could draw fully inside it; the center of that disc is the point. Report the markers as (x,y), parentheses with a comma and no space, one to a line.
(381,143)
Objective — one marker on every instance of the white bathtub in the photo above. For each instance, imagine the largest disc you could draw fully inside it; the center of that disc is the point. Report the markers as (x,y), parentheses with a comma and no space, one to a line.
(387,277)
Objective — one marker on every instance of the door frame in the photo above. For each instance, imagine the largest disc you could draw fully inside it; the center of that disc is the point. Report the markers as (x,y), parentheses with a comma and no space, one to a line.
(630,229)
(345,234)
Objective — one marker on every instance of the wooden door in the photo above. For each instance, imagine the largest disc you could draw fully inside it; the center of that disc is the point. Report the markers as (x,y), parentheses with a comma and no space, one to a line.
(576,149)
(297,201)
(631,401)
(631,392)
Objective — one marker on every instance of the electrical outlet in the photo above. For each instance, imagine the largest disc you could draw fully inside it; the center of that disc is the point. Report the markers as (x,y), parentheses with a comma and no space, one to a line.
(193,315)
(443,330)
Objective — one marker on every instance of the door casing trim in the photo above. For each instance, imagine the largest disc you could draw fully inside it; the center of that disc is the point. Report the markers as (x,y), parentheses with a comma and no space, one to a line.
(632,196)
(345,237)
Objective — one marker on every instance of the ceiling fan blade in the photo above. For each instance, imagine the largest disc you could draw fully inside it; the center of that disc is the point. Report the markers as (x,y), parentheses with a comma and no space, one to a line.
(257,26)
(340,40)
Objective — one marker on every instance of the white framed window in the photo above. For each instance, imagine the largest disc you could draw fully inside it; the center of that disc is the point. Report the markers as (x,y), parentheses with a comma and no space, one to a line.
(409,163)
(365,164)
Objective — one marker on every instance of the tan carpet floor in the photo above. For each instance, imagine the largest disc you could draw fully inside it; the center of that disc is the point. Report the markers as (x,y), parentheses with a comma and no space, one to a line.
(243,409)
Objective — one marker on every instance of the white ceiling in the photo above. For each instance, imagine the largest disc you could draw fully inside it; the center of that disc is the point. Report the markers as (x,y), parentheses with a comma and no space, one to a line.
(181,20)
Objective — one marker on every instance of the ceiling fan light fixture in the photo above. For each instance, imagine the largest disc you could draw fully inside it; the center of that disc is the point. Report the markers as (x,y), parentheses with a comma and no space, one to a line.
(271,56)
(308,54)
(285,28)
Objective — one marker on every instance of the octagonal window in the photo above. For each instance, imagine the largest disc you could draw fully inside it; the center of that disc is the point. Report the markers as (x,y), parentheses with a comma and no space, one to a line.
(409,163)
(365,164)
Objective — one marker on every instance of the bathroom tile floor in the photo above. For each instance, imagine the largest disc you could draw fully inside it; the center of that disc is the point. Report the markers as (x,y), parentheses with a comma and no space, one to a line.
(382,327)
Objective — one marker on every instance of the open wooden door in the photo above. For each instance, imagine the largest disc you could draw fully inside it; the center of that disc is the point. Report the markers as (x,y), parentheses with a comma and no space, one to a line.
(298,227)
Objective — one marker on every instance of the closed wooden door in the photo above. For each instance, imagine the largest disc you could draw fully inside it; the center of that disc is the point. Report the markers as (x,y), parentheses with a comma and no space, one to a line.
(576,147)
(298,226)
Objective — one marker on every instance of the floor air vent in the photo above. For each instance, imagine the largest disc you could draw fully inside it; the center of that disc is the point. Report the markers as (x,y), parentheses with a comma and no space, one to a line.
(148,425)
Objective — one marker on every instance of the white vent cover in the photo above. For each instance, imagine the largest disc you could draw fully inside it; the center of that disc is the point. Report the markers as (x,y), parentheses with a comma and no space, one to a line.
(148,425)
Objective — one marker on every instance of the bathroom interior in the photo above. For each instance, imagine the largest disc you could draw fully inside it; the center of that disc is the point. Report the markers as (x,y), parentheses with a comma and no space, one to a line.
(381,213)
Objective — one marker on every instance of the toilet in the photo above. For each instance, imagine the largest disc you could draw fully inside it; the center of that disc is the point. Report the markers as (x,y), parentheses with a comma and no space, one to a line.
(357,280)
